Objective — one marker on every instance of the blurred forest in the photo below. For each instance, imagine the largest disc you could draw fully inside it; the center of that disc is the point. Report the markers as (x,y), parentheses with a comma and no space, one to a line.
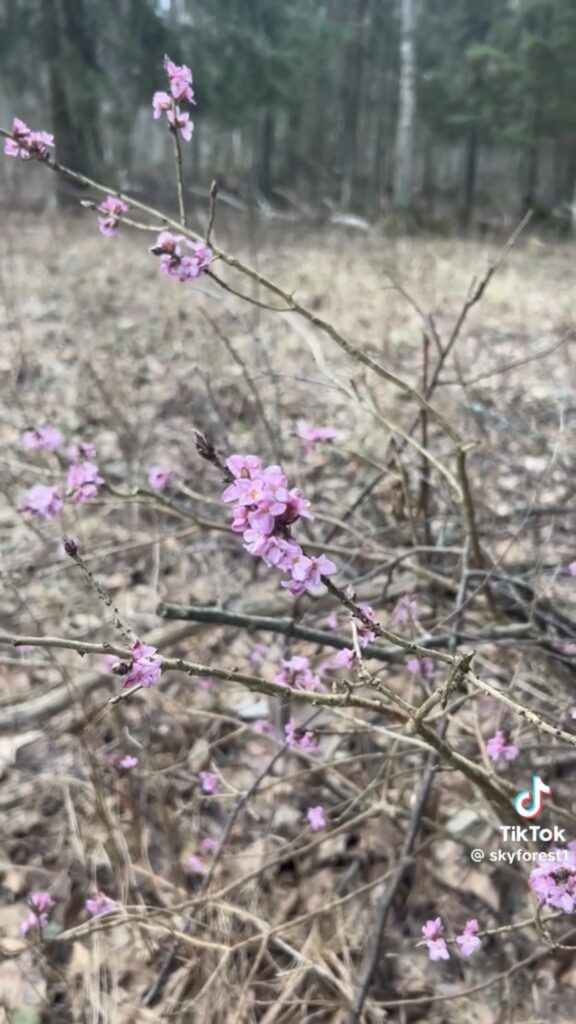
(453,110)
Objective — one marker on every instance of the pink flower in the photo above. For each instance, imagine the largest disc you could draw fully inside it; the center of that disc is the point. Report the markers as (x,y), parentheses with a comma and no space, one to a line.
(83,481)
(127,762)
(81,450)
(332,621)
(205,683)
(316,819)
(180,122)
(313,436)
(497,747)
(43,502)
(162,102)
(112,208)
(469,941)
(210,783)
(180,78)
(554,881)
(264,511)
(406,610)
(174,263)
(295,738)
(146,667)
(100,904)
(196,865)
(159,477)
(421,666)
(262,725)
(572,568)
(296,673)
(46,439)
(259,654)
(433,928)
(41,901)
(208,845)
(32,921)
(346,658)
(27,144)
(437,949)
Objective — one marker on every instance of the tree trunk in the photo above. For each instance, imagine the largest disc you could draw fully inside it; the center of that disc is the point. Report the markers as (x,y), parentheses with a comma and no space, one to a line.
(470,175)
(351,105)
(72,72)
(266,155)
(405,129)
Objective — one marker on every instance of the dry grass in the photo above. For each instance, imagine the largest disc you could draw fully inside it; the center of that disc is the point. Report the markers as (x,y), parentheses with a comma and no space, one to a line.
(97,342)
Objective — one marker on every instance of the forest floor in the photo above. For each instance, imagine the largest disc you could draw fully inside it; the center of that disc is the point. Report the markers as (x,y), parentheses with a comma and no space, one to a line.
(96,342)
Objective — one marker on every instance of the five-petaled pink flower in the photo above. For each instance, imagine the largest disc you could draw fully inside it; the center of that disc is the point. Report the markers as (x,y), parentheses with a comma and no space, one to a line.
(43,502)
(112,208)
(100,904)
(159,477)
(46,439)
(316,819)
(497,747)
(27,144)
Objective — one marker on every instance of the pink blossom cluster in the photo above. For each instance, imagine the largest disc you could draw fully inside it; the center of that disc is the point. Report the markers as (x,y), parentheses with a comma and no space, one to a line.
(100,904)
(112,208)
(47,439)
(265,508)
(296,673)
(298,739)
(26,144)
(144,668)
(43,502)
(311,436)
(498,746)
(83,479)
(40,903)
(178,264)
(468,942)
(554,882)
(180,84)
